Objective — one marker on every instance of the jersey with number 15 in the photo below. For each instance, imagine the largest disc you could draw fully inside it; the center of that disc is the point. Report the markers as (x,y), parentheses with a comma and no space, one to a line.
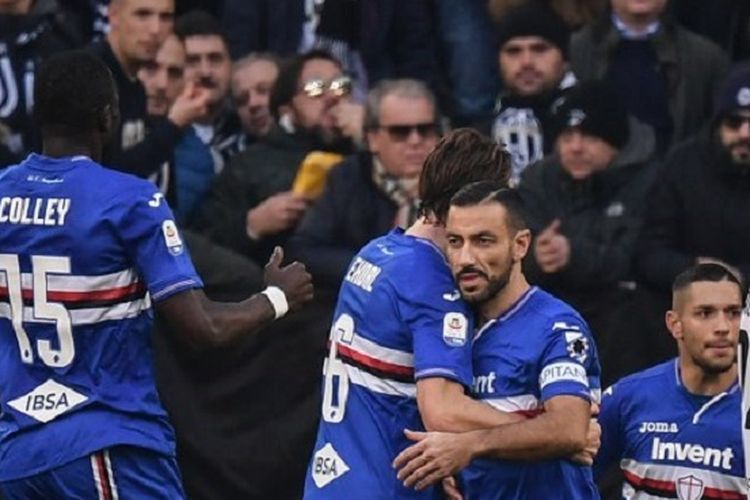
(398,319)
(83,252)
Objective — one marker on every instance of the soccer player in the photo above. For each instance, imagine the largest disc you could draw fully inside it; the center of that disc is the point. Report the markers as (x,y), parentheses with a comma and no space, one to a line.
(84,251)
(400,344)
(533,354)
(675,428)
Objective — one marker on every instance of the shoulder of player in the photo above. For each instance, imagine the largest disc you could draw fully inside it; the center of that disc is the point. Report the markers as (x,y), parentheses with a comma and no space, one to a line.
(652,378)
(556,314)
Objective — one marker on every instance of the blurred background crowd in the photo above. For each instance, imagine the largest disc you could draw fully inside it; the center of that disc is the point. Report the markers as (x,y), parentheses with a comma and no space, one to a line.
(305,123)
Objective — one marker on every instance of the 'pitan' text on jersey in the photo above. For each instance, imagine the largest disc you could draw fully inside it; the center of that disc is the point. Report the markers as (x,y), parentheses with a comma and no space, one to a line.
(84,251)
(671,443)
(539,349)
(399,318)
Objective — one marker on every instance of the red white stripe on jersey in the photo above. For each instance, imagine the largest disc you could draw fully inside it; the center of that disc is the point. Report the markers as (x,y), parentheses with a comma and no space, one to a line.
(88,299)
(524,404)
(649,480)
(378,368)
(104,478)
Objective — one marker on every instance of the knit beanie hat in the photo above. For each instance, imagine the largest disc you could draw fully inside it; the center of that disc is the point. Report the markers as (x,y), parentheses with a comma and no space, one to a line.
(594,109)
(534,18)
(734,93)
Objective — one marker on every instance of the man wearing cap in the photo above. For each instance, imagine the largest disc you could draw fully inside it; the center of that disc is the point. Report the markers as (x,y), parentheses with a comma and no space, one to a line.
(532,59)
(700,206)
(584,205)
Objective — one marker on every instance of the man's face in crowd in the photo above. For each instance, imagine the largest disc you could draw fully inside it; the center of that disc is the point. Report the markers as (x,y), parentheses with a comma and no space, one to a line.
(163,78)
(582,155)
(639,8)
(705,320)
(316,112)
(406,134)
(140,26)
(482,249)
(530,65)
(15,7)
(251,92)
(734,134)
(208,65)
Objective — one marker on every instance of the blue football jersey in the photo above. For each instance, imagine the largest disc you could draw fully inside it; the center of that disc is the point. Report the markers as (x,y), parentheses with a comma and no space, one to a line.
(84,250)
(540,348)
(399,318)
(671,443)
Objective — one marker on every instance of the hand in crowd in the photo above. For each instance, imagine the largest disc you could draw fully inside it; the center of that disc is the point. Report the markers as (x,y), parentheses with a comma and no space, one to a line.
(293,279)
(277,213)
(350,119)
(436,455)
(552,249)
(190,105)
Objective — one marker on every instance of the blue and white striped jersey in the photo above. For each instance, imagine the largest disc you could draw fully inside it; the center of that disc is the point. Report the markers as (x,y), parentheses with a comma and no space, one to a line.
(671,443)
(399,318)
(83,252)
(538,349)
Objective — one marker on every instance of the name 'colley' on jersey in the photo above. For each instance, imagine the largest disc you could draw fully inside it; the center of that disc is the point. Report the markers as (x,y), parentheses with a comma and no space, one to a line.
(33,211)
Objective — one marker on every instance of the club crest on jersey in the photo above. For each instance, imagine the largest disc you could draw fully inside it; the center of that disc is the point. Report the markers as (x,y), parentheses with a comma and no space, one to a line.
(172,237)
(690,488)
(48,401)
(455,329)
(327,466)
(577,345)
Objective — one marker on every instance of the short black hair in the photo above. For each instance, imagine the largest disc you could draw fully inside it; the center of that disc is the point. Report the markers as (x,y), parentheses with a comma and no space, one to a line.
(707,271)
(287,84)
(198,23)
(481,192)
(72,91)
(462,156)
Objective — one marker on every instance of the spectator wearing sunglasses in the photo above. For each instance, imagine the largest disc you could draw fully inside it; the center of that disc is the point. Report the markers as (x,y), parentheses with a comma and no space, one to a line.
(372,191)
(700,208)
(251,206)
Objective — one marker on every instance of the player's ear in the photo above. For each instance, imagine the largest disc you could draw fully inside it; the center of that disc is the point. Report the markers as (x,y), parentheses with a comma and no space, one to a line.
(521,244)
(674,325)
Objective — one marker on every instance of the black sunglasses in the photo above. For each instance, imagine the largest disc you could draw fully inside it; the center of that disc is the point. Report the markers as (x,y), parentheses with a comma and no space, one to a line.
(735,121)
(400,133)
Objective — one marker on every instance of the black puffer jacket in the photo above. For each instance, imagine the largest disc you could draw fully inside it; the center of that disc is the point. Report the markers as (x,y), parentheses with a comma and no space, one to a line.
(601,216)
(700,207)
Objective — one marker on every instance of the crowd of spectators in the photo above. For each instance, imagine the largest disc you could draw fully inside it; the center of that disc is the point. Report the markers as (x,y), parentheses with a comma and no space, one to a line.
(305,123)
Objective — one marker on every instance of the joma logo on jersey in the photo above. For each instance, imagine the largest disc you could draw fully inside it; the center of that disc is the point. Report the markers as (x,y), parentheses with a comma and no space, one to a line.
(47,401)
(695,453)
(669,427)
(327,465)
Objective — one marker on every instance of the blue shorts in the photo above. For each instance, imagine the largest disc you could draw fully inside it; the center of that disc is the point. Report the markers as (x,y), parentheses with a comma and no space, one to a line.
(118,473)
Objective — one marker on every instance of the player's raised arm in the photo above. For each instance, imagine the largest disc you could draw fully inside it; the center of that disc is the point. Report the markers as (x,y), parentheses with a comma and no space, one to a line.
(202,321)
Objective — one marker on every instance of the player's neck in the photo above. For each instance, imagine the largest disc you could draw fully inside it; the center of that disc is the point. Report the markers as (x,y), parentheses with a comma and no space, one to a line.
(61,147)
(503,301)
(427,230)
(697,381)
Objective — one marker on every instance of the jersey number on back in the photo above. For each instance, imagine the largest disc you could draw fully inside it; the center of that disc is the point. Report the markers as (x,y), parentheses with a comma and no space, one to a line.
(334,398)
(43,311)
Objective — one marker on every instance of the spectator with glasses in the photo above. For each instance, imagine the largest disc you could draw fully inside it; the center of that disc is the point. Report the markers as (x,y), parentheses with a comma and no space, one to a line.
(698,211)
(372,191)
(251,206)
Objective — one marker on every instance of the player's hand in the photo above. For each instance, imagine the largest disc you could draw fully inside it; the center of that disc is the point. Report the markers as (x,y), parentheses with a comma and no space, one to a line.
(593,443)
(450,489)
(276,214)
(293,279)
(350,119)
(190,105)
(436,455)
